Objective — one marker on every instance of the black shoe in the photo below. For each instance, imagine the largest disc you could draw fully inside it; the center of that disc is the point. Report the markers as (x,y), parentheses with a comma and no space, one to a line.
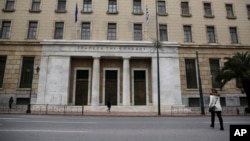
(222,129)
(212,126)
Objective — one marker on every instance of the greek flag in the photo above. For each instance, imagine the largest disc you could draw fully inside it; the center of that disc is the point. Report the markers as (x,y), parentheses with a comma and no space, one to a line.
(147,14)
(76,13)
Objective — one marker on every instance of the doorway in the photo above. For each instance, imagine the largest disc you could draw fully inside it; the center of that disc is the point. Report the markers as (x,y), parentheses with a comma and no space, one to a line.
(111,84)
(81,87)
(140,87)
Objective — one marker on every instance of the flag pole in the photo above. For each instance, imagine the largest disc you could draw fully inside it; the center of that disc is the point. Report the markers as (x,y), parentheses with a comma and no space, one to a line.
(76,18)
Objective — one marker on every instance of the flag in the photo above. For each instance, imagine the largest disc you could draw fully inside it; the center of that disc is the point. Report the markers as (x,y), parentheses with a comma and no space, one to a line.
(76,13)
(147,14)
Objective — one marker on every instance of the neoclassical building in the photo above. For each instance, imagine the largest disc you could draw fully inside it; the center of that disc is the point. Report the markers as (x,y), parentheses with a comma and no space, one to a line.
(88,52)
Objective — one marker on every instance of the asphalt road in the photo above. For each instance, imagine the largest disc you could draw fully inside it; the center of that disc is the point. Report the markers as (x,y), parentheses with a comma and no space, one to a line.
(103,128)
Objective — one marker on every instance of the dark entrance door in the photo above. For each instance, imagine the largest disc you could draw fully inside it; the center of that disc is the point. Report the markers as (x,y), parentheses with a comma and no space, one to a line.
(111,86)
(82,86)
(139,87)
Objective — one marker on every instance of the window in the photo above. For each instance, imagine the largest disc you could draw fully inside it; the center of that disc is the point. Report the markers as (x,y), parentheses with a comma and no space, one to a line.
(27,72)
(161,7)
(2,69)
(61,6)
(59,30)
(208,10)
(5,31)
(86,31)
(191,75)
(185,9)
(9,7)
(137,32)
(248,11)
(234,36)
(211,34)
(230,13)
(214,69)
(194,102)
(35,5)
(87,6)
(32,30)
(112,31)
(112,6)
(187,33)
(137,7)
(163,33)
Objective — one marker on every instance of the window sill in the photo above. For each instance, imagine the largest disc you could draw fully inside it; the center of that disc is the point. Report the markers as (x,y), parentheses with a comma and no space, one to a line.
(23,89)
(60,11)
(112,13)
(186,15)
(231,18)
(8,10)
(29,39)
(86,12)
(34,11)
(137,13)
(209,16)
(162,14)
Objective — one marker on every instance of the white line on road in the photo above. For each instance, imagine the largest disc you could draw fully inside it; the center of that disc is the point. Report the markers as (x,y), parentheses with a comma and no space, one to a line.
(57,122)
(44,131)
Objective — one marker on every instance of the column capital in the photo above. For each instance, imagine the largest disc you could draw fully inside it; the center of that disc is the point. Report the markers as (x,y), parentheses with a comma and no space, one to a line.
(126,57)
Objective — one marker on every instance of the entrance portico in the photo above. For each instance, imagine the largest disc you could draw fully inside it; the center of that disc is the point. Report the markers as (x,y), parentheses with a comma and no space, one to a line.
(92,72)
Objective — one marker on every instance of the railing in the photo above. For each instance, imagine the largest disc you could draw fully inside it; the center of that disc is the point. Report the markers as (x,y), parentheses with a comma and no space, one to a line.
(79,110)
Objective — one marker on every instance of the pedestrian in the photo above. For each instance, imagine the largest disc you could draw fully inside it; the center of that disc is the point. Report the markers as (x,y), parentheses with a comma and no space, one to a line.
(109,106)
(215,101)
(10,102)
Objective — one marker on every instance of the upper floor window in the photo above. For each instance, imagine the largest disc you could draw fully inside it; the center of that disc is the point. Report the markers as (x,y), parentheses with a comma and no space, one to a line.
(137,32)
(230,12)
(85,31)
(5,31)
(234,35)
(112,31)
(9,6)
(27,72)
(32,30)
(2,69)
(61,6)
(163,32)
(185,9)
(59,30)
(161,7)
(208,10)
(187,33)
(35,7)
(214,69)
(248,11)
(87,6)
(211,34)
(137,7)
(112,6)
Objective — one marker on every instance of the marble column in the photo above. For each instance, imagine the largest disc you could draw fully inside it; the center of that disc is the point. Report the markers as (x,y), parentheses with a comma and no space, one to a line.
(95,82)
(126,82)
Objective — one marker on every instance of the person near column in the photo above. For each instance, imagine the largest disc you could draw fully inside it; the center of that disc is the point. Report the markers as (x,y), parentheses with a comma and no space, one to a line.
(109,106)
(10,102)
(215,101)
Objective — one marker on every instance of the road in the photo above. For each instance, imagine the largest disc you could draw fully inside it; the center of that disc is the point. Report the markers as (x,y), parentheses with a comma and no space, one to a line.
(105,128)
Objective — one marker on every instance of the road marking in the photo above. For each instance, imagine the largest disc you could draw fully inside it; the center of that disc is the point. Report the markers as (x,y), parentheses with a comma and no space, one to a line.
(9,118)
(57,122)
(44,131)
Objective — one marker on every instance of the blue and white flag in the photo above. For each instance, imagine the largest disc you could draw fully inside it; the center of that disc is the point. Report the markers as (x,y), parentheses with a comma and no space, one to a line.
(147,14)
(76,13)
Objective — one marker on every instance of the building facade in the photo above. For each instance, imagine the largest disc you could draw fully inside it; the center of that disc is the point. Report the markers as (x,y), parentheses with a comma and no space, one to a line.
(88,52)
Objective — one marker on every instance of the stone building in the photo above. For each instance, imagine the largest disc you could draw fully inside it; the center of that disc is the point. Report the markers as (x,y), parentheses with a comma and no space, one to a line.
(88,52)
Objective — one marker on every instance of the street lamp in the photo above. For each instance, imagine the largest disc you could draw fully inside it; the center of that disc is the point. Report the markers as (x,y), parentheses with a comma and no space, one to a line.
(157,46)
(28,70)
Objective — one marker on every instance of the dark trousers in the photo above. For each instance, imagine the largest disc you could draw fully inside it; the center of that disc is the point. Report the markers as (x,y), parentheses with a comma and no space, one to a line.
(219,117)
